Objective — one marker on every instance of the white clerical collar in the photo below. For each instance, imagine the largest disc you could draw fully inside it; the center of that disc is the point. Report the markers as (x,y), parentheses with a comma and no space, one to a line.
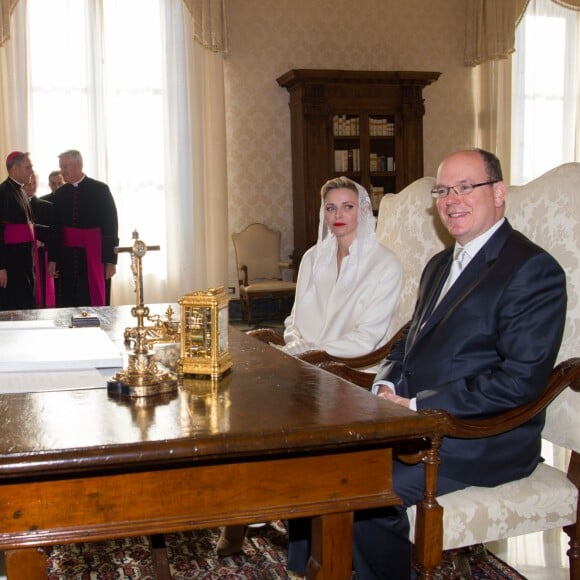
(472,247)
(76,183)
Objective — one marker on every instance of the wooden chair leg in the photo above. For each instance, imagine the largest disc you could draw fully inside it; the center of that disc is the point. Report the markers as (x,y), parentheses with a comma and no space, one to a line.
(244,307)
(249,309)
(573,552)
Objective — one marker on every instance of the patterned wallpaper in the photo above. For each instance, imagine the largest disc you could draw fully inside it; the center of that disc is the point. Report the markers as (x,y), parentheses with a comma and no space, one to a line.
(269,37)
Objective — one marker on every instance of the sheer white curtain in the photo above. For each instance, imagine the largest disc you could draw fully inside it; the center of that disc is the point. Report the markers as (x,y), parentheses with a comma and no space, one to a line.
(545,90)
(492,98)
(144,104)
(14,87)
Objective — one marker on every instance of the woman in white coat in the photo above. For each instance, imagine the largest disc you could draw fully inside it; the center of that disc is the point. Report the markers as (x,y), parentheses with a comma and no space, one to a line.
(348,284)
(347,291)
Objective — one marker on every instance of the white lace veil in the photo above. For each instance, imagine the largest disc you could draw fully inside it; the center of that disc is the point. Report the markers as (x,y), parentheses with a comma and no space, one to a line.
(327,246)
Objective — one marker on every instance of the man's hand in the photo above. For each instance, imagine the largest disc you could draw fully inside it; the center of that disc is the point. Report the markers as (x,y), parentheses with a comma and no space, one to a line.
(3,278)
(52,271)
(110,270)
(386,393)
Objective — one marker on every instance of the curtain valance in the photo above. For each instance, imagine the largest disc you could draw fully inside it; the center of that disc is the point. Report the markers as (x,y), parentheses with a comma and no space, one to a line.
(6,9)
(209,23)
(490,27)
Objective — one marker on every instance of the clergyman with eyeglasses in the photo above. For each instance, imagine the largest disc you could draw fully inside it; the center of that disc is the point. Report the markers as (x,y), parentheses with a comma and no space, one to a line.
(487,345)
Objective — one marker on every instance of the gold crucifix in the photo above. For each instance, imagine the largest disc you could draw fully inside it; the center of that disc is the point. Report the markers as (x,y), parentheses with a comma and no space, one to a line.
(142,377)
(137,251)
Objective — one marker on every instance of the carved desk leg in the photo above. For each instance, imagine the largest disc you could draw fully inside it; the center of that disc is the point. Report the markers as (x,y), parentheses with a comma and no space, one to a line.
(429,523)
(160,557)
(331,557)
(25,563)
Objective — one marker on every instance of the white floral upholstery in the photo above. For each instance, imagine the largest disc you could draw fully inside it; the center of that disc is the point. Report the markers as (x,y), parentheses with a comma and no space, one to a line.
(408,225)
(544,500)
(547,210)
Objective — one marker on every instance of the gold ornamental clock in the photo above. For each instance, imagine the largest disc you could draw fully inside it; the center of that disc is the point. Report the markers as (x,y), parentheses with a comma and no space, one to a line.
(204,334)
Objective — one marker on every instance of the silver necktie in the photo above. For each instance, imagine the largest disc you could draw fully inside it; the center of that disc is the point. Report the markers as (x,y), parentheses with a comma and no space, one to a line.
(456,269)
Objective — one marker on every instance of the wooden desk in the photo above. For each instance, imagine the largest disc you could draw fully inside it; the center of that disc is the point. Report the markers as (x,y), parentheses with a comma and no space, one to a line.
(277,438)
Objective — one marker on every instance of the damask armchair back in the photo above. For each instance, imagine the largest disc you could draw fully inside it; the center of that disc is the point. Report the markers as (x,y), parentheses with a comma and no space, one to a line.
(547,210)
(408,225)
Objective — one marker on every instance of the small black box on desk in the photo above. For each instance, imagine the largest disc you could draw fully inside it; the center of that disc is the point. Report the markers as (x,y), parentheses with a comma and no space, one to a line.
(84,319)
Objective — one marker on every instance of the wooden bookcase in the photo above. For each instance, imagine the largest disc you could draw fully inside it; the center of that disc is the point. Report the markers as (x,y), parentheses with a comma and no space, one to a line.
(367,125)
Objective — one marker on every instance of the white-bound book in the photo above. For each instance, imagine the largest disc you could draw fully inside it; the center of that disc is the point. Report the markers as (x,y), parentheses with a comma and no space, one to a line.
(56,349)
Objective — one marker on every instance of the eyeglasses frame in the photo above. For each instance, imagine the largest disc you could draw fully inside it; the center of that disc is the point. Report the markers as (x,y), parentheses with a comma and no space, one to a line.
(435,194)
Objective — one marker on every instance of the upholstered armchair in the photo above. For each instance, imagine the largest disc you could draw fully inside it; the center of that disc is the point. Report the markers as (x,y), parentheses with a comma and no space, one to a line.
(257,251)
(547,210)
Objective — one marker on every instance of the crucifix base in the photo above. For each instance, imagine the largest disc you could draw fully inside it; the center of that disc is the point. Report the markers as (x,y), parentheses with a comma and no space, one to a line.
(142,378)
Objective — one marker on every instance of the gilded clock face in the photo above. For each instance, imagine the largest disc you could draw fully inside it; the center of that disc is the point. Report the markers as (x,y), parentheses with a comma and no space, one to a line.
(198,331)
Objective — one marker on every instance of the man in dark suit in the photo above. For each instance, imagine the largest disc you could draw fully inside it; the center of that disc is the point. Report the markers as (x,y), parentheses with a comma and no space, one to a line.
(55,180)
(84,236)
(17,285)
(478,344)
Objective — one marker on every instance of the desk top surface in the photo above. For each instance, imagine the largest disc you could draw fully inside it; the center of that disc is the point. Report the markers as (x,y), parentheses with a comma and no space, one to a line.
(269,404)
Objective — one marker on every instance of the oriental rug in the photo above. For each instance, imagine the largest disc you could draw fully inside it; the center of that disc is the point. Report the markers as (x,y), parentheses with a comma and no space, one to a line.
(192,556)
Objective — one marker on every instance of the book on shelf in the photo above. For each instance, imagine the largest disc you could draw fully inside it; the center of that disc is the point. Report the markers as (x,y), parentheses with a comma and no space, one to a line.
(356,160)
(346,160)
(340,160)
(377,194)
(343,126)
(381,127)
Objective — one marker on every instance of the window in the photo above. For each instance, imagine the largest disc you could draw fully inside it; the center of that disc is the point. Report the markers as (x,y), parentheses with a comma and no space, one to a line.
(96,85)
(545,82)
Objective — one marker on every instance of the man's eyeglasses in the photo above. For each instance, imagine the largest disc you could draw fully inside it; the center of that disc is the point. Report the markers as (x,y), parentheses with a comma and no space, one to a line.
(459,189)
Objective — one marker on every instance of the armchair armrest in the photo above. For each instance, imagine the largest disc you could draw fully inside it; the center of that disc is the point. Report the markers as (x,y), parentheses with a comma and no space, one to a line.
(318,357)
(289,266)
(244,280)
(266,335)
(566,374)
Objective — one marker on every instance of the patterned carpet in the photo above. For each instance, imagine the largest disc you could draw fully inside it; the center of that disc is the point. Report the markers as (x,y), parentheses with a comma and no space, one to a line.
(192,556)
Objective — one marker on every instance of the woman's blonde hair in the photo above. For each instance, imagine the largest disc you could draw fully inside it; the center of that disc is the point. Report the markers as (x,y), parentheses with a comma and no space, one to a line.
(341,182)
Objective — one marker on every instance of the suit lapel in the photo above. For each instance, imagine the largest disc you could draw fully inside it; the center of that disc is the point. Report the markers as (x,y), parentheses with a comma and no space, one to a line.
(426,305)
(465,284)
